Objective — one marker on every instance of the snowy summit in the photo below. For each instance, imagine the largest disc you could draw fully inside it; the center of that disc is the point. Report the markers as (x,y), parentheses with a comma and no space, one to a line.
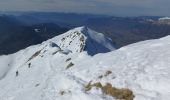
(75,66)
(84,39)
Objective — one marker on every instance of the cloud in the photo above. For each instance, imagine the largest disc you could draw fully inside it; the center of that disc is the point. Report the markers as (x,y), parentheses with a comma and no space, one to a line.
(111,7)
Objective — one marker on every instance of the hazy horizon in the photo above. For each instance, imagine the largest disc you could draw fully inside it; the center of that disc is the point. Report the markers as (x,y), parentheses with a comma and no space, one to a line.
(78,13)
(104,7)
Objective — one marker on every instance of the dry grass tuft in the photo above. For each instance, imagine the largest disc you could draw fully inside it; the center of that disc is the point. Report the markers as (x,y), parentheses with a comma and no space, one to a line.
(121,94)
(34,55)
(89,86)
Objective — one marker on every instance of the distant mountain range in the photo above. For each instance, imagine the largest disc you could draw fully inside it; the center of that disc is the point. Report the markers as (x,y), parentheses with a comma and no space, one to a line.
(19,30)
(16,36)
(124,31)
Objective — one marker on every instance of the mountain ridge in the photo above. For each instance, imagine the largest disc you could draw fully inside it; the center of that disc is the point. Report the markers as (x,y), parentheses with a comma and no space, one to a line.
(50,72)
(83,38)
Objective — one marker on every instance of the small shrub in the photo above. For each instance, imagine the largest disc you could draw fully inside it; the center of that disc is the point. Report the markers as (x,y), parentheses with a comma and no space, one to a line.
(54,52)
(69,65)
(68,59)
(78,33)
(44,51)
(62,92)
(37,85)
(73,36)
(82,47)
(108,73)
(29,65)
(17,73)
(82,39)
(100,77)
(62,39)
(70,42)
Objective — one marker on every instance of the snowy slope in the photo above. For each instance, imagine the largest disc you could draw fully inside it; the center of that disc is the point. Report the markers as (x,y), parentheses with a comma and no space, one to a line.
(50,71)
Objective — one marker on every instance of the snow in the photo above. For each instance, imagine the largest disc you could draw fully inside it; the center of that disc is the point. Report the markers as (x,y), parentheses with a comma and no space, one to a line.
(37,30)
(164,18)
(84,39)
(143,67)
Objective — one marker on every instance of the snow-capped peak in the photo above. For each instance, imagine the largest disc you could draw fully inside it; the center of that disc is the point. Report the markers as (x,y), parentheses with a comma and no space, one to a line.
(164,18)
(84,39)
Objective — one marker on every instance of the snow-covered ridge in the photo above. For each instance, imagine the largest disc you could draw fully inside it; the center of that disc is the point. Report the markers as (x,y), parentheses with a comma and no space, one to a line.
(84,39)
(162,21)
(49,71)
(164,18)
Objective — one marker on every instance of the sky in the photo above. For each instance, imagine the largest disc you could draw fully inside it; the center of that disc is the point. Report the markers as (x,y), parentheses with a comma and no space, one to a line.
(108,7)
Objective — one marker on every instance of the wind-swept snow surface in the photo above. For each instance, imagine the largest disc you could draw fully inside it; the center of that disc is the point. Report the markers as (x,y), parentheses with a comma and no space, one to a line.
(51,71)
